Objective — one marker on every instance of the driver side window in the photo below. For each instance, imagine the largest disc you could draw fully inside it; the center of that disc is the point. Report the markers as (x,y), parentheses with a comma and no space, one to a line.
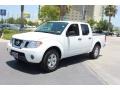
(73,30)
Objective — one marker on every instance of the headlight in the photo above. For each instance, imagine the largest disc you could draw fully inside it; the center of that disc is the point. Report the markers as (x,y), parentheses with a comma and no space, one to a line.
(34,44)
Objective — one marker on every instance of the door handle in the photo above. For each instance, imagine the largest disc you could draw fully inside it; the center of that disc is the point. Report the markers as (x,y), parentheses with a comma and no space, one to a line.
(79,38)
(89,38)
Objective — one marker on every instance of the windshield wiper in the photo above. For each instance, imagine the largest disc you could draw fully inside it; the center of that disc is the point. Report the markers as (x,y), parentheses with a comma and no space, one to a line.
(48,32)
(51,32)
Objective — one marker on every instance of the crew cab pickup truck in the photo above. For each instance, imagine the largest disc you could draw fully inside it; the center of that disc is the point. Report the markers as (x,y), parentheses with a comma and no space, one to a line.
(53,41)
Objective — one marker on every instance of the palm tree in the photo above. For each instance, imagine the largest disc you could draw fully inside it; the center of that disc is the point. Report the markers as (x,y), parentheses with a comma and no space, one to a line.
(38,11)
(110,11)
(63,10)
(22,17)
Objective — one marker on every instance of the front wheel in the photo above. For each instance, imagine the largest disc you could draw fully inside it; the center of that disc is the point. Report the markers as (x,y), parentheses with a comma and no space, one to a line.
(95,52)
(18,61)
(50,61)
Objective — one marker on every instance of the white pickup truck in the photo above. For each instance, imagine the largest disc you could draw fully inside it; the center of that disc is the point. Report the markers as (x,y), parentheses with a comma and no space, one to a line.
(53,41)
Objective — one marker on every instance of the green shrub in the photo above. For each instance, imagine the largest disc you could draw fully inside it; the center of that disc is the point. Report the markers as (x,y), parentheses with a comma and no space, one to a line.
(7,34)
(10,31)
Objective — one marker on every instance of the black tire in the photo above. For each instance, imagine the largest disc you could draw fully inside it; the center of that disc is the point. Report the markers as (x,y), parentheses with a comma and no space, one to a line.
(18,61)
(45,64)
(92,54)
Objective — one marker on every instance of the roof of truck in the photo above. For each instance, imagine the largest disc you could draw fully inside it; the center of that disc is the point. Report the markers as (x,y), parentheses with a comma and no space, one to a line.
(70,22)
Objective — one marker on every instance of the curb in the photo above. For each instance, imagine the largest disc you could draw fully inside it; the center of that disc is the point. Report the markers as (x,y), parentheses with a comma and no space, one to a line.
(1,36)
(3,40)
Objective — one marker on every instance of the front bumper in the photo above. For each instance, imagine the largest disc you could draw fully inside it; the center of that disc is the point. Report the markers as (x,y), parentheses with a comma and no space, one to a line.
(20,56)
(32,55)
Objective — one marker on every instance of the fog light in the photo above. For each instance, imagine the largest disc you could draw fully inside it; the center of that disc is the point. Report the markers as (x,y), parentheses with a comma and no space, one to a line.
(32,57)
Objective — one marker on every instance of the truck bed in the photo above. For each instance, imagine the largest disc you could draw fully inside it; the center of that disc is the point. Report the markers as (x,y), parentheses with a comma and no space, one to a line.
(100,37)
(97,34)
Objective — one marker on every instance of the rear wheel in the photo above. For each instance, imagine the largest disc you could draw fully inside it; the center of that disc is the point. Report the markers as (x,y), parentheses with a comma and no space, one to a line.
(50,61)
(95,52)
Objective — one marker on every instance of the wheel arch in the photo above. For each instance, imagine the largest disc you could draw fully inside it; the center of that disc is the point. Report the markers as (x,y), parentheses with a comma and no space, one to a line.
(96,43)
(55,48)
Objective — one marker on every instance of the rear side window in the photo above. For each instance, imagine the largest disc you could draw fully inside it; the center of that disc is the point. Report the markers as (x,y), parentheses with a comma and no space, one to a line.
(85,29)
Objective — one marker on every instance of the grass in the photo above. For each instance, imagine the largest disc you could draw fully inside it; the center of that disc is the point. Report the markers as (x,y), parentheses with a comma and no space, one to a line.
(7,34)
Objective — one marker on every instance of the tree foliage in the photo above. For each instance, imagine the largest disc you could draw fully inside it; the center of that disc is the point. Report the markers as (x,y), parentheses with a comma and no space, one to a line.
(46,12)
(1,21)
(102,25)
(19,21)
(63,10)
(92,22)
(32,23)
(49,13)
(110,11)
(11,20)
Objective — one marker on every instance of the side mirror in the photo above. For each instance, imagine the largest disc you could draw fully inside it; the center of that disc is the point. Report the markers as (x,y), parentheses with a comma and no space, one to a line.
(67,34)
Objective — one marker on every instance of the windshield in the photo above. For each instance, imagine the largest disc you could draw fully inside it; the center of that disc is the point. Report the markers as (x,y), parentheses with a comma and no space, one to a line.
(52,27)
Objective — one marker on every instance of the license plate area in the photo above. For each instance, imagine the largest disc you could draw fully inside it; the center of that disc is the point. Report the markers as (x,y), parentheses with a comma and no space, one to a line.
(14,54)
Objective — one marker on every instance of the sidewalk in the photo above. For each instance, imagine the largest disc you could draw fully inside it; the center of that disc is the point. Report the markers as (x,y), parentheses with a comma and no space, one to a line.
(3,40)
(108,64)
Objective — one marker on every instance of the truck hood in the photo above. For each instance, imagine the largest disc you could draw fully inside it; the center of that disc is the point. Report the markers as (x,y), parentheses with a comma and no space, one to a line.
(35,36)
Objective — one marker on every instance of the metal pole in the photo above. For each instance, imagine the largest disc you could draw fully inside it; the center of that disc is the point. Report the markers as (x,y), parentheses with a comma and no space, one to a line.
(2,20)
(102,12)
(7,17)
(84,12)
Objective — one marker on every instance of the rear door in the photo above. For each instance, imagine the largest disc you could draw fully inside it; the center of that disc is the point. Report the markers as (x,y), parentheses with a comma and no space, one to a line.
(86,38)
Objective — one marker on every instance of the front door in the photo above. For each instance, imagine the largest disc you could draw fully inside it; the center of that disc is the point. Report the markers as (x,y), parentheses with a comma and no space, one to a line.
(74,40)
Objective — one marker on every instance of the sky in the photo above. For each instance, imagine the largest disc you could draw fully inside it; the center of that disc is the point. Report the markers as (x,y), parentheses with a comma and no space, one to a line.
(116,19)
(14,11)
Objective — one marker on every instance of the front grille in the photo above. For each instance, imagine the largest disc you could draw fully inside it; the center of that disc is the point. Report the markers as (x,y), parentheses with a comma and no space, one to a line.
(18,43)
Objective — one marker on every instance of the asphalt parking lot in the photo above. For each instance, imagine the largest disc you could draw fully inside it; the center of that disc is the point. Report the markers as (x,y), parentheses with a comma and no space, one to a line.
(108,64)
(71,71)
(74,70)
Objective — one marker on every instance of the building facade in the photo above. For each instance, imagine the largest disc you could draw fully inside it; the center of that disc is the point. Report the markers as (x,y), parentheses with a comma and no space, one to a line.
(85,12)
